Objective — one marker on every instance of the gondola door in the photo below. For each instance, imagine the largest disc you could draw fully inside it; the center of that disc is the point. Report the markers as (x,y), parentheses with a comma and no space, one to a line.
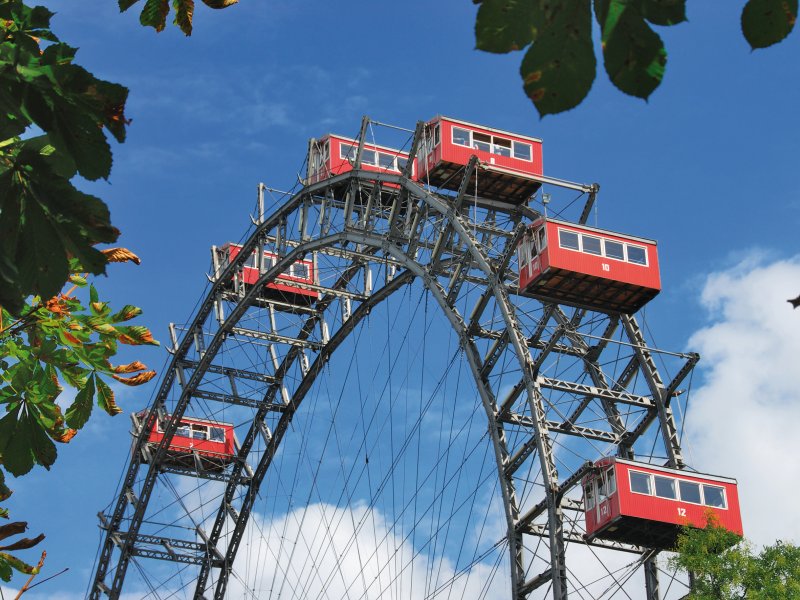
(606,492)
(600,499)
(531,254)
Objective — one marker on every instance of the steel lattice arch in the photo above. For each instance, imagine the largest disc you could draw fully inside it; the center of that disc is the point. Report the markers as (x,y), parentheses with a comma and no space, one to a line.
(373,235)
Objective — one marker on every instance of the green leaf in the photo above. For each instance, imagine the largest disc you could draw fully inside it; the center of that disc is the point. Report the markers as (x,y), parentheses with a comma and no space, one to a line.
(5,570)
(43,218)
(154,14)
(5,492)
(80,410)
(15,446)
(505,25)
(17,564)
(126,4)
(634,54)
(41,258)
(44,450)
(11,294)
(767,22)
(105,397)
(559,68)
(184,12)
(664,12)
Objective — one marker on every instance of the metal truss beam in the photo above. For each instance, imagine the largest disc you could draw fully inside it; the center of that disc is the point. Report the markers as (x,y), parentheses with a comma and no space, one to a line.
(237,400)
(595,392)
(228,371)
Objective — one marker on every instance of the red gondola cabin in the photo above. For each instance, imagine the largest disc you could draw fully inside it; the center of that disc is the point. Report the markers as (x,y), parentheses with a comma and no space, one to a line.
(285,286)
(587,267)
(509,162)
(197,443)
(647,505)
(333,155)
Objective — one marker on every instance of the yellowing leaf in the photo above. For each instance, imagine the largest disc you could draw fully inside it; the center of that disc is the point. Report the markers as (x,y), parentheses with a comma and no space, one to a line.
(130,367)
(136,379)
(121,255)
(136,335)
(71,338)
(65,436)
(19,565)
(126,313)
(105,397)
(57,305)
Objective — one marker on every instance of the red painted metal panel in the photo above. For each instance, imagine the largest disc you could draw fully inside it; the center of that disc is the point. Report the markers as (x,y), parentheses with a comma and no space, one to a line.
(596,281)
(336,164)
(505,177)
(282,282)
(634,511)
(458,154)
(677,512)
(602,266)
(204,447)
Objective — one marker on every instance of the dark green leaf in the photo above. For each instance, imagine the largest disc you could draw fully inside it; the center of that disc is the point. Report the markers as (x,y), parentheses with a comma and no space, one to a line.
(39,254)
(5,492)
(5,570)
(505,25)
(559,68)
(664,12)
(80,410)
(126,4)
(44,450)
(43,218)
(154,14)
(634,54)
(15,443)
(11,294)
(767,22)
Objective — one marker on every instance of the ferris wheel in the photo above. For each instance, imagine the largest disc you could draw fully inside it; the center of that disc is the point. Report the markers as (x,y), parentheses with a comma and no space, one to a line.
(404,382)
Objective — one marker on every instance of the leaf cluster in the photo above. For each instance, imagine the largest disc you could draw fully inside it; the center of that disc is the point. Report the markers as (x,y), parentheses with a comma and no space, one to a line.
(47,343)
(56,119)
(559,66)
(154,12)
(9,561)
(44,219)
(54,341)
(726,568)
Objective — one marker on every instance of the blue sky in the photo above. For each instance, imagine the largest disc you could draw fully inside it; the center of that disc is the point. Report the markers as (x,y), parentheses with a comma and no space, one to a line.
(708,167)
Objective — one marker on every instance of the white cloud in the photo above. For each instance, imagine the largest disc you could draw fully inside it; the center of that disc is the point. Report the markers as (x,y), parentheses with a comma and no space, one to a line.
(324,551)
(743,416)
